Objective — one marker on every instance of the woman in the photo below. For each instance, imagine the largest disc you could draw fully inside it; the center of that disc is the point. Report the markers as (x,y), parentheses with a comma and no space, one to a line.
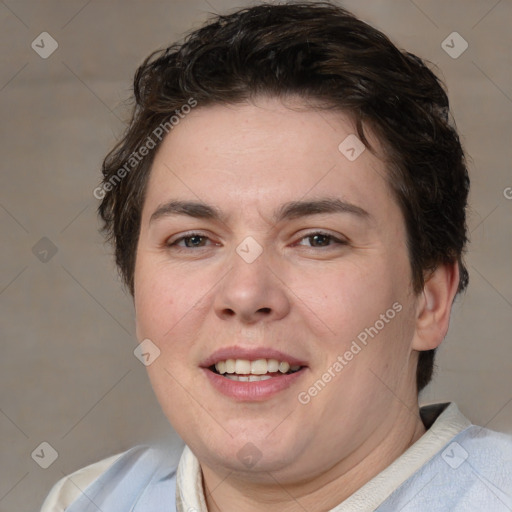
(287,209)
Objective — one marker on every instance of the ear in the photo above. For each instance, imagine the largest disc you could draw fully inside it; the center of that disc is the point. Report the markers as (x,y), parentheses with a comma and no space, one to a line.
(434,307)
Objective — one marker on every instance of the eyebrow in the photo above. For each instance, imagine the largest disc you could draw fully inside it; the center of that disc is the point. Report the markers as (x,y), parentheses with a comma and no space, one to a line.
(287,211)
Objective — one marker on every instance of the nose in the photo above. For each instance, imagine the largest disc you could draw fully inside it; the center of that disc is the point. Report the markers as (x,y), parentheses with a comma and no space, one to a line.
(252,291)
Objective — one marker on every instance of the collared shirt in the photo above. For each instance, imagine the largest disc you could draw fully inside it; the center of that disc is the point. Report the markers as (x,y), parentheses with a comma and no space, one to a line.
(454,467)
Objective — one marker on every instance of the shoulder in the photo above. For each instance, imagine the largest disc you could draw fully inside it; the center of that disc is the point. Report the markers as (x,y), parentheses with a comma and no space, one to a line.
(112,482)
(487,439)
(485,452)
(473,471)
(67,489)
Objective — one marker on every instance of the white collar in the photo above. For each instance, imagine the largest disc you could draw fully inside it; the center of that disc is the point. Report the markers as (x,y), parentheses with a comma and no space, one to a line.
(449,422)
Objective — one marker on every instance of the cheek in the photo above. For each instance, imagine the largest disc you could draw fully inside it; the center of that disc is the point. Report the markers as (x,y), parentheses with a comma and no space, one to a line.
(347,297)
(162,298)
(164,304)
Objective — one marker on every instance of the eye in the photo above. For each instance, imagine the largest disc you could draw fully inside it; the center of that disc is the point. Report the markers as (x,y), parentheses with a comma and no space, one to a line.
(320,239)
(189,241)
(317,239)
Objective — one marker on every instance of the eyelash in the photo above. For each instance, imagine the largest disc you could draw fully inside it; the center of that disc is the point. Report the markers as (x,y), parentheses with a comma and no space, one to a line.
(331,238)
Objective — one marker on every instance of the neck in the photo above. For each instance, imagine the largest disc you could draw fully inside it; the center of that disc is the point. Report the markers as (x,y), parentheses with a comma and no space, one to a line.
(226,492)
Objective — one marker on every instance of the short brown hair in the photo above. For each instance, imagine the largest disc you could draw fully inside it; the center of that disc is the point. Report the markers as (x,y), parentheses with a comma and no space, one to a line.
(320,52)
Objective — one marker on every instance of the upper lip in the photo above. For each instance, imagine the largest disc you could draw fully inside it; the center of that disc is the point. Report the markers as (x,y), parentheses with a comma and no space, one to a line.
(250,353)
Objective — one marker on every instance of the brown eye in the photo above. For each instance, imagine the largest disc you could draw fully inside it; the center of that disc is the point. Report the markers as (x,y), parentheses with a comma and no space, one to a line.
(319,239)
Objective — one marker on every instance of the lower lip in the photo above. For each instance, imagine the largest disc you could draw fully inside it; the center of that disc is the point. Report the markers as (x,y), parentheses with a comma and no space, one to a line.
(252,391)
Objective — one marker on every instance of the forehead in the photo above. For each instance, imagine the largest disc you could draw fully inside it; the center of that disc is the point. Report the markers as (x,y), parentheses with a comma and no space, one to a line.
(264,153)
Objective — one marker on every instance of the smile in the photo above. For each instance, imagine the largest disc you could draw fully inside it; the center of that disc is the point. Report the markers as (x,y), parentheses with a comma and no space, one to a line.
(244,370)
(252,374)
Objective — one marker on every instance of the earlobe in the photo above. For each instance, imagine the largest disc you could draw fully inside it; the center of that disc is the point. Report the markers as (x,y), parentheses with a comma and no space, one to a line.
(434,307)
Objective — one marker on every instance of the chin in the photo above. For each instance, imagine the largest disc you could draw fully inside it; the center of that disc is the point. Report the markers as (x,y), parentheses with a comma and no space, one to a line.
(248,452)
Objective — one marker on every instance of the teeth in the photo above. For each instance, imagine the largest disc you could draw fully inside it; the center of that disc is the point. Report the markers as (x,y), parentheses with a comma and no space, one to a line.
(242,366)
(284,367)
(255,378)
(260,367)
(250,378)
(230,366)
(273,365)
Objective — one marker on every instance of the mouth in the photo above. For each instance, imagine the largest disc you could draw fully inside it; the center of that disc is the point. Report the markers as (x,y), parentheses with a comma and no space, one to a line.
(244,370)
(252,374)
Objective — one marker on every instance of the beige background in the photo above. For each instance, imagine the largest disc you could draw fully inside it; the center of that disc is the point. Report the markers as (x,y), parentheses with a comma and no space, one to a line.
(68,375)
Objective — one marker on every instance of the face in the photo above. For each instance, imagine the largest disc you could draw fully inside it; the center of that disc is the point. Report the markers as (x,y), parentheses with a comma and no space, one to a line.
(273,276)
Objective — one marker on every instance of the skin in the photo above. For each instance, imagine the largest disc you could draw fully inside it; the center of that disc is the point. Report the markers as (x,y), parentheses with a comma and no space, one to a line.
(307,297)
